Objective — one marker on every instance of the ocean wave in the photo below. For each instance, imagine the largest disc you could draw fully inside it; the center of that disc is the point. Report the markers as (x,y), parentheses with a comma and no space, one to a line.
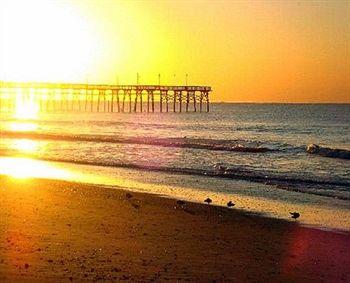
(329,188)
(328,152)
(206,144)
(96,123)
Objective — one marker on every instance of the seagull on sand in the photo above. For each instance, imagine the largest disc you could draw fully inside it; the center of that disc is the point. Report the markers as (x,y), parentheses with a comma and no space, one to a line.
(230,204)
(295,215)
(208,201)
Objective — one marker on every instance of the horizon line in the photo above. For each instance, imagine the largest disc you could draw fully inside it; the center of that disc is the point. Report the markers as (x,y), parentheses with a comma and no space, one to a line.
(274,102)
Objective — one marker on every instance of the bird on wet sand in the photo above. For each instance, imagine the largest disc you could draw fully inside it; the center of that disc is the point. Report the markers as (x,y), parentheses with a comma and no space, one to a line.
(208,201)
(230,204)
(295,215)
(180,202)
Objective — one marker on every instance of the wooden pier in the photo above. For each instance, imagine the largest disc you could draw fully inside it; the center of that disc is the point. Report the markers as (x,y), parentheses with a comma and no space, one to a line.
(68,97)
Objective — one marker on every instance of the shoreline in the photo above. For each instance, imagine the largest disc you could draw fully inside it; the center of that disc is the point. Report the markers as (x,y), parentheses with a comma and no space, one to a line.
(188,201)
(71,232)
(189,172)
(317,211)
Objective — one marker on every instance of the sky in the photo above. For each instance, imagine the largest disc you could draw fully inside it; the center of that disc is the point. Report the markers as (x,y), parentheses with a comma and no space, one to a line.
(248,51)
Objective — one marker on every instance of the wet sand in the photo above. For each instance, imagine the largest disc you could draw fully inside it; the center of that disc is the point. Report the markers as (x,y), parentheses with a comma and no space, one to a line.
(61,231)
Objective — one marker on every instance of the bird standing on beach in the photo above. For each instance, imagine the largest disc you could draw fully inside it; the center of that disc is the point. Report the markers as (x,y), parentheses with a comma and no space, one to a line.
(181,202)
(295,215)
(230,204)
(208,201)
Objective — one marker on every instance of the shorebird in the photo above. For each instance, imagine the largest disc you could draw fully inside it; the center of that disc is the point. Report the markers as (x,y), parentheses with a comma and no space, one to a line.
(208,201)
(230,204)
(295,215)
(180,202)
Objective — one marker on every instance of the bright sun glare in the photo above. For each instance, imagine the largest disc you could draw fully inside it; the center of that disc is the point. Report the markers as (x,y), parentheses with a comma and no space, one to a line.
(22,126)
(25,145)
(25,108)
(44,41)
(26,111)
(26,167)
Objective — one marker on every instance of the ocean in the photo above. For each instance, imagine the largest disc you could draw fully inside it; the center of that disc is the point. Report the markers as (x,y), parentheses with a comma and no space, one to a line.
(259,154)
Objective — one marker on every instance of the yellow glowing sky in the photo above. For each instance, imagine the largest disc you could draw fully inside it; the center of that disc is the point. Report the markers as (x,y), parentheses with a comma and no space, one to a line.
(269,51)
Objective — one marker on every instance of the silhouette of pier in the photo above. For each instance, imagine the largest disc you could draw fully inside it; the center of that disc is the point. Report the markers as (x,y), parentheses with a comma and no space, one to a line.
(70,97)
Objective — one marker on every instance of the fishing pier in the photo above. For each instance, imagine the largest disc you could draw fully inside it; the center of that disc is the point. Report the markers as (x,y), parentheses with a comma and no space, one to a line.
(70,97)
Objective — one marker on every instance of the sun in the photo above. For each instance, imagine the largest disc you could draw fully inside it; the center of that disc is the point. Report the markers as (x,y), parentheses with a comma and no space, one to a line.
(45,41)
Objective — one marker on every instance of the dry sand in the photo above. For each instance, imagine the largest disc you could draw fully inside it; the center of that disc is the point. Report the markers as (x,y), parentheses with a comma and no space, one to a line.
(59,231)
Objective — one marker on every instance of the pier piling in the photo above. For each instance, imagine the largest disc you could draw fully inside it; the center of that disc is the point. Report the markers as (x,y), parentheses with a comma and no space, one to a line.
(54,97)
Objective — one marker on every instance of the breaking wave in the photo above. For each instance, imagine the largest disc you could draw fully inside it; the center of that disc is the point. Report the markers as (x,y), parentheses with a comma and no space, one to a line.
(323,187)
(328,152)
(207,144)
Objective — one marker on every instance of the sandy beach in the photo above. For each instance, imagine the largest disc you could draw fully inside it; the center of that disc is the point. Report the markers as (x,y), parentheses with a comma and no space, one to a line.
(174,141)
(61,231)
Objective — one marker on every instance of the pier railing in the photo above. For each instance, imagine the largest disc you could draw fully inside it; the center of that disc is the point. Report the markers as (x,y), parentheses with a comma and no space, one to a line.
(60,97)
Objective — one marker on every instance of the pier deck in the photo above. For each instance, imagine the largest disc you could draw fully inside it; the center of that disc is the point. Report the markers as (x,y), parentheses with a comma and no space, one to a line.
(58,97)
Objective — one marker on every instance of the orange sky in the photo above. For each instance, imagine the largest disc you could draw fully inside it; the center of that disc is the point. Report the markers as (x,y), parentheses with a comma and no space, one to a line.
(269,51)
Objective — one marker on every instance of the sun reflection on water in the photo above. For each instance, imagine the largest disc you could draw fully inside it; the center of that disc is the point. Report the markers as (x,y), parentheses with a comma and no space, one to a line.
(25,145)
(23,126)
(20,167)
